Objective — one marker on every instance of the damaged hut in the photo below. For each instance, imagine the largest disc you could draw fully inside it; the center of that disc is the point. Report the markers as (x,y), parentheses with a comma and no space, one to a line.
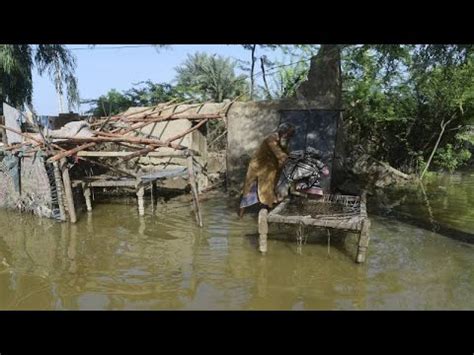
(50,171)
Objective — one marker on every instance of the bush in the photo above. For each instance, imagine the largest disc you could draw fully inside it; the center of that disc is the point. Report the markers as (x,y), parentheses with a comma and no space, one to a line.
(449,158)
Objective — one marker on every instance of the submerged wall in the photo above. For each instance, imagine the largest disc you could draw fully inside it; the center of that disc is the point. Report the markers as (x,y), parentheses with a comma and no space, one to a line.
(25,185)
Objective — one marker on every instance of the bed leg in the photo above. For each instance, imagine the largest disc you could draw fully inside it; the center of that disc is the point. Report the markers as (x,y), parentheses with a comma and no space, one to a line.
(363,241)
(263,230)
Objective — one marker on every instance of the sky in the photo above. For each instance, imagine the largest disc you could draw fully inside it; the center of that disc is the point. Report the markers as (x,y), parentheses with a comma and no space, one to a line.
(106,67)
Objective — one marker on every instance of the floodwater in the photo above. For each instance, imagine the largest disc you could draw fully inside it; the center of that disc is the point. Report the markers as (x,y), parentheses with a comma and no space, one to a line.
(114,259)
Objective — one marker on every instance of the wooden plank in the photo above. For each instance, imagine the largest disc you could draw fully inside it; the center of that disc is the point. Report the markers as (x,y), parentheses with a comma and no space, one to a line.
(141,202)
(262,230)
(165,173)
(363,241)
(350,224)
(59,191)
(194,192)
(87,194)
(102,154)
(108,183)
(70,152)
(280,207)
(68,191)
(3,131)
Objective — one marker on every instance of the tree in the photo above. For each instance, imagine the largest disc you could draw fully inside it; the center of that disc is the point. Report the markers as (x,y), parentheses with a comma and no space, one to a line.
(288,73)
(144,93)
(17,63)
(253,59)
(404,102)
(205,77)
(150,93)
(288,77)
(109,104)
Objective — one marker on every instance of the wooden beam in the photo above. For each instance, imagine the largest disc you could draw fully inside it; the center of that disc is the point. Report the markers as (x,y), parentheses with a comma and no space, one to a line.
(108,183)
(262,230)
(109,138)
(68,191)
(350,224)
(154,154)
(152,147)
(87,194)
(70,152)
(141,203)
(192,182)
(59,191)
(363,244)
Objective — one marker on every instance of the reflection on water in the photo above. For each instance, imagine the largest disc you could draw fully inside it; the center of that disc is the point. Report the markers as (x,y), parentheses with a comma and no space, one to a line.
(114,259)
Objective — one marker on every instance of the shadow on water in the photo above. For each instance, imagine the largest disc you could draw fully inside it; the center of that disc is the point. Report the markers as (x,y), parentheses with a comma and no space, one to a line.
(445,206)
(431,226)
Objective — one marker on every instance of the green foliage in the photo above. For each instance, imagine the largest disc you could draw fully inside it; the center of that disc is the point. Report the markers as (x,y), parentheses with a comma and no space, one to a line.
(16,83)
(204,77)
(109,104)
(286,74)
(450,159)
(60,65)
(144,93)
(397,97)
(17,63)
(289,77)
(150,93)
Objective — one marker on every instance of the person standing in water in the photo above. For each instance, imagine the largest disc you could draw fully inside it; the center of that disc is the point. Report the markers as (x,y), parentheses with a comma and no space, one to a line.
(264,168)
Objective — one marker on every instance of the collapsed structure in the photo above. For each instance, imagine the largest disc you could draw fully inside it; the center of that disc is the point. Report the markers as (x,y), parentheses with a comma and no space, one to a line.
(47,171)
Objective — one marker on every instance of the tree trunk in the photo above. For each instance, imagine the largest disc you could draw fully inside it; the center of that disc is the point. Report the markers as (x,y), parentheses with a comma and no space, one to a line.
(269,95)
(443,127)
(252,68)
(59,88)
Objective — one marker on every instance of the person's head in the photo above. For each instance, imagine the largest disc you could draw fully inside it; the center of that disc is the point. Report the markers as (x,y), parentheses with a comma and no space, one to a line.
(286,130)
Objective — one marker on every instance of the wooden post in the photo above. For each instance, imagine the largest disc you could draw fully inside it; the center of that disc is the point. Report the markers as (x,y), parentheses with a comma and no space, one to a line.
(152,195)
(68,191)
(363,241)
(262,230)
(192,182)
(4,136)
(3,131)
(141,202)
(59,191)
(87,195)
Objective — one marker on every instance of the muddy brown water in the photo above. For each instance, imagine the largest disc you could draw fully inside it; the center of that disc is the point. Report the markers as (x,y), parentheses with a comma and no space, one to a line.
(114,259)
